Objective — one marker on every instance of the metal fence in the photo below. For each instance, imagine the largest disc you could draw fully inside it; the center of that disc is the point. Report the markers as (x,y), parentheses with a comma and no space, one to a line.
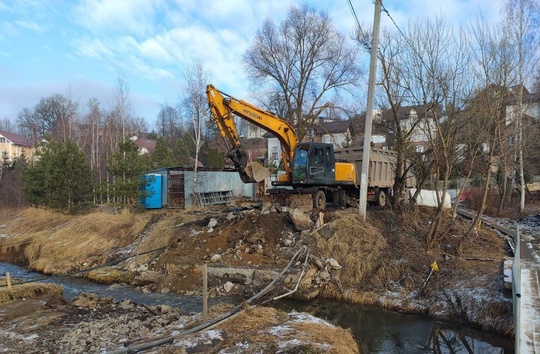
(516,289)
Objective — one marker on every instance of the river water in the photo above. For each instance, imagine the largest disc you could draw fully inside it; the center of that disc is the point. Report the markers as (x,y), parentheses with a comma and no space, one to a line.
(375,330)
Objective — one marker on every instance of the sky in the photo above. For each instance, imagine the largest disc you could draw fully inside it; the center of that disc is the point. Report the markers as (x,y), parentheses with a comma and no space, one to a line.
(81,47)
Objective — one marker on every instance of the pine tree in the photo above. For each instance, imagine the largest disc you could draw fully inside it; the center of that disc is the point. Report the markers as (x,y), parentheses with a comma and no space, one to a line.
(127,167)
(61,179)
(181,154)
(162,156)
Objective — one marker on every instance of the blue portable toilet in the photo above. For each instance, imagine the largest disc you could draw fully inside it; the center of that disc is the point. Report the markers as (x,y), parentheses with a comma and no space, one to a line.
(153,189)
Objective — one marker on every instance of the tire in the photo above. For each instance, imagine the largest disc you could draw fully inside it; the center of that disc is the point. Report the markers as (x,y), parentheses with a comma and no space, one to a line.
(381,198)
(319,200)
(342,199)
(335,199)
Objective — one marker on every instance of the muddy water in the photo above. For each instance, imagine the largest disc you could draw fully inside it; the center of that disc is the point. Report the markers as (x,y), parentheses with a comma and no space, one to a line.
(375,330)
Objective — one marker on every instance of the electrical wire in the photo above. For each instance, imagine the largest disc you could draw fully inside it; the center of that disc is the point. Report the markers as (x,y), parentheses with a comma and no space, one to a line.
(351,7)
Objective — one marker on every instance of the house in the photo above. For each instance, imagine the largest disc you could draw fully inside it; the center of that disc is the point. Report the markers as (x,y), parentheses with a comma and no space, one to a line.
(379,133)
(530,105)
(146,145)
(418,118)
(336,132)
(13,146)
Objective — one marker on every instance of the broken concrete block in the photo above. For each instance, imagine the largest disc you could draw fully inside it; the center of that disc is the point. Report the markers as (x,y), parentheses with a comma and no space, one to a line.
(227,287)
(333,264)
(212,223)
(300,220)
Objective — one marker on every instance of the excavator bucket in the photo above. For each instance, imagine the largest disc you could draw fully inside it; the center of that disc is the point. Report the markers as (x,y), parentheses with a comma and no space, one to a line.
(256,171)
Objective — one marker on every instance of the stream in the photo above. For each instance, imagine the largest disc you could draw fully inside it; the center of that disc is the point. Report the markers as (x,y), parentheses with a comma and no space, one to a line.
(376,330)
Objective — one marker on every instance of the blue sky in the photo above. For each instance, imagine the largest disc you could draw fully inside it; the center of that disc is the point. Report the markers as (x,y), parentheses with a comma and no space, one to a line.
(80,47)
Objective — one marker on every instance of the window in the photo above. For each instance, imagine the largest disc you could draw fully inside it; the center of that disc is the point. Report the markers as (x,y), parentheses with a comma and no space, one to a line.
(274,152)
(420,149)
(2,140)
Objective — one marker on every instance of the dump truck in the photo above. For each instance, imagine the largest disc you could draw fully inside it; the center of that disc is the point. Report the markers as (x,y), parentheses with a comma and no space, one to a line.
(311,168)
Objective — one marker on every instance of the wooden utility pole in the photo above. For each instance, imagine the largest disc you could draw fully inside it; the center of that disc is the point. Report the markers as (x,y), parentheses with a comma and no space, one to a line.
(369,110)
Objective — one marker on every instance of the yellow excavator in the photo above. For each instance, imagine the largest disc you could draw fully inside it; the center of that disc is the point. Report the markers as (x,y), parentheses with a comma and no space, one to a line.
(310,167)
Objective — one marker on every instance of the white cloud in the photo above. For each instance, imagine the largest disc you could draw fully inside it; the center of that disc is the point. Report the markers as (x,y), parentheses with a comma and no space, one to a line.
(94,49)
(33,26)
(153,48)
(123,16)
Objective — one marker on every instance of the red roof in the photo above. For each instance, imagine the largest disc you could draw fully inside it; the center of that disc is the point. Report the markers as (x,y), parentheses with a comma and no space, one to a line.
(149,144)
(16,138)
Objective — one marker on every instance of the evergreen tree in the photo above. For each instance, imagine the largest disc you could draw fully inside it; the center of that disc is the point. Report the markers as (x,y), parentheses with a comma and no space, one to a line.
(181,154)
(60,179)
(127,167)
(162,156)
(215,159)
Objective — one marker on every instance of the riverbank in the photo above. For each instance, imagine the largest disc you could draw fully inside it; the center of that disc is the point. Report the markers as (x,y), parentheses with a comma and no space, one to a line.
(36,319)
(381,262)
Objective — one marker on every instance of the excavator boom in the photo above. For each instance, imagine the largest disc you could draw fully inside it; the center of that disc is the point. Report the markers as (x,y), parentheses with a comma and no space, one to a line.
(224,106)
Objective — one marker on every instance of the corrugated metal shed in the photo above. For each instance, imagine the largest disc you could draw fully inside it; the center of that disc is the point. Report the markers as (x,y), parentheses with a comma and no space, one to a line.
(213,187)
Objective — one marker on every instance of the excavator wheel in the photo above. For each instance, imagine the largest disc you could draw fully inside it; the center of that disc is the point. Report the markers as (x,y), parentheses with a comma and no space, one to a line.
(319,200)
(336,199)
(342,199)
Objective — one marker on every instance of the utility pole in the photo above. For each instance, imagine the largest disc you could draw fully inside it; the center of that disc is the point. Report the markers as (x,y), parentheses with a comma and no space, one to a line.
(369,110)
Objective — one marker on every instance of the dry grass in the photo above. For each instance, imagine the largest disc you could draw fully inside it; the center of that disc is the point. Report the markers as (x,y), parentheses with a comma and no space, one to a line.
(30,291)
(356,245)
(108,275)
(253,326)
(341,339)
(57,244)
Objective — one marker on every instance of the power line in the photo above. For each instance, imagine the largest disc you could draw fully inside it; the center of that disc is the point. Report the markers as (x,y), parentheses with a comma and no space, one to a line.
(405,38)
(354,13)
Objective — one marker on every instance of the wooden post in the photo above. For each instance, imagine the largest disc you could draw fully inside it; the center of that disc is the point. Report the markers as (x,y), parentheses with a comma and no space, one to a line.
(8,281)
(205,292)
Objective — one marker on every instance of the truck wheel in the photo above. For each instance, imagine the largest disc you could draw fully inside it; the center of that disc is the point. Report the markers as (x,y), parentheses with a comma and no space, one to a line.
(342,198)
(319,200)
(381,198)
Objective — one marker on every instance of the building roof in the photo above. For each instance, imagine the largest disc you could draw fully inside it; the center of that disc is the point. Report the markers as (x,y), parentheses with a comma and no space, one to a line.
(16,138)
(148,144)
(335,127)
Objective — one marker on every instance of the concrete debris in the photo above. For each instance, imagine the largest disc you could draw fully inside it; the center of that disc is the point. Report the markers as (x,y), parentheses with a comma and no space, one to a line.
(266,208)
(215,258)
(333,264)
(227,287)
(300,220)
(287,242)
(212,223)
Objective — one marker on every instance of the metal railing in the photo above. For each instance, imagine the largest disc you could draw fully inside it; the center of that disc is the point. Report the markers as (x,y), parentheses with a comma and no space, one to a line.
(516,290)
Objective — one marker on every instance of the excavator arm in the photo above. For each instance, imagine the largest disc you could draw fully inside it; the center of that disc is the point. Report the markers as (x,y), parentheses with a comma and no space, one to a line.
(224,106)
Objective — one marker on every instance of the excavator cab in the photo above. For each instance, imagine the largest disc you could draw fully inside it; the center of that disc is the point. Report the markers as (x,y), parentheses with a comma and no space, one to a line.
(313,164)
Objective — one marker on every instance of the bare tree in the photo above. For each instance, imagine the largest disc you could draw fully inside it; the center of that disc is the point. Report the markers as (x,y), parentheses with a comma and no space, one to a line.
(393,97)
(7,125)
(522,23)
(169,124)
(302,62)
(52,116)
(493,68)
(439,67)
(195,106)
(121,102)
